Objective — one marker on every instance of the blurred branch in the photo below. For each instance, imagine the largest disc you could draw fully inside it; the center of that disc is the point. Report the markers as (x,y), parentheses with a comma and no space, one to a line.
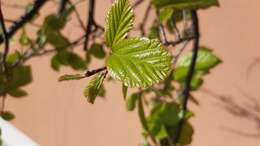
(5,39)
(81,23)
(187,85)
(24,19)
(93,72)
(31,53)
(251,67)
(145,18)
(91,23)
(62,6)
(137,3)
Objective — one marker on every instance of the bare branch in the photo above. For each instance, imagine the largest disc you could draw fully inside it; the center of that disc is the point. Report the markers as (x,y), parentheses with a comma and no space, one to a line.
(6,40)
(187,85)
(24,19)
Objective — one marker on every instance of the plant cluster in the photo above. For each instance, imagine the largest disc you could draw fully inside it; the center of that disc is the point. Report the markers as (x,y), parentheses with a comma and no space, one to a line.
(164,80)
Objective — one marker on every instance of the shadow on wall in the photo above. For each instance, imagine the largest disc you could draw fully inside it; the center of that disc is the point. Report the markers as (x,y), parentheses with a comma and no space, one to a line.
(249,110)
(250,68)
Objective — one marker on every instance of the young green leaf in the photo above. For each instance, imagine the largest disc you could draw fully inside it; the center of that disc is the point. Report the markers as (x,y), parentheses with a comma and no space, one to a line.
(185,4)
(165,14)
(17,93)
(71,77)
(24,40)
(139,62)
(119,22)
(131,101)
(93,87)
(124,90)
(8,116)
(12,58)
(20,76)
(97,50)
(205,61)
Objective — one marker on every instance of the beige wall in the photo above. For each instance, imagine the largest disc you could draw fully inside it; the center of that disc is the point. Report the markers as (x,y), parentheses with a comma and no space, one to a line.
(56,114)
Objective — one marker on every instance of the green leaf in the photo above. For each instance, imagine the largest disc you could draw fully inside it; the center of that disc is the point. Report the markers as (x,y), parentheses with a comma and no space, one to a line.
(8,116)
(119,21)
(57,40)
(53,22)
(97,50)
(76,62)
(24,40)
(93,87)
(153,32)
(66,58)
(102,91)
(186,133)
(124,90)
(71,77)
(139,62)
(141,115)
(12,58)
(17,93)
(165,14)
(185,4)
(20,76)
(55,63)
(163,114)
(164,120)
(205,60)
(131,101)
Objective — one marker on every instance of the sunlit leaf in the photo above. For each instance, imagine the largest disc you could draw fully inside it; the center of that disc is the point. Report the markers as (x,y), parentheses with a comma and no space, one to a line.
(139,62)
(205,60)
(119,21)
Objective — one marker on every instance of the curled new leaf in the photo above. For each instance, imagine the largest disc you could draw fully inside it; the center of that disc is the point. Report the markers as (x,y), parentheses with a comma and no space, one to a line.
(93,87)
(139,62)
(119,21)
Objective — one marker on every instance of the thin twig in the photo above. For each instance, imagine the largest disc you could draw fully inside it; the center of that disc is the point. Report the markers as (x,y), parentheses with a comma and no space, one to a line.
(24,19)
(81,23)
(6,40)
(62,6)
(179,41)
(92,72)
(181,49)
(161,28)
(137,3)
(145,18)
(31,53)
(90,21)
(187,85)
